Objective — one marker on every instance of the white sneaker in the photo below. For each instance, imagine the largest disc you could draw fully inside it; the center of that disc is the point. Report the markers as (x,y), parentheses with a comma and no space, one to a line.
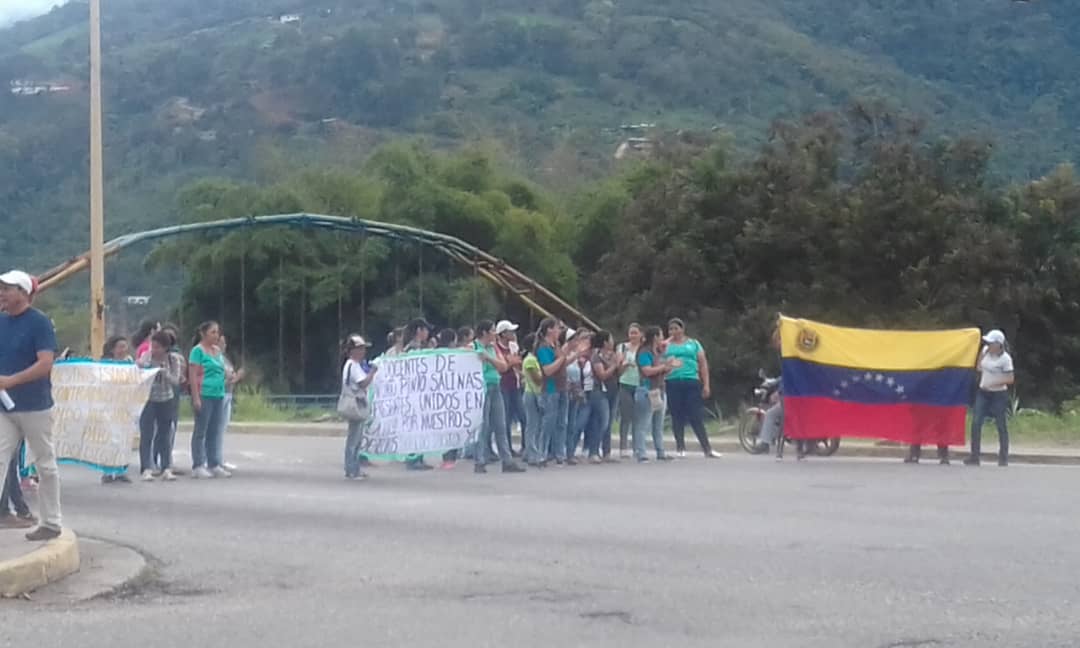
(147,476)
(681,454)
(200,473)
(220,472)
(713,454)
(167,475)
(228,466)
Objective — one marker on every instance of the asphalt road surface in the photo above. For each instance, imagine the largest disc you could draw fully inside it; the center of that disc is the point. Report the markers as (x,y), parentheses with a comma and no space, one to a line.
(741,551)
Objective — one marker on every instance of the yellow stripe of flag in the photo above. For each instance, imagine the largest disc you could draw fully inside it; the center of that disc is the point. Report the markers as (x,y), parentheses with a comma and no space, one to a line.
(877,349)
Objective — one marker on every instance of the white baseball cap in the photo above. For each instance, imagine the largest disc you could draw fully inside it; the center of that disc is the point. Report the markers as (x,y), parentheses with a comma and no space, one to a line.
(994,337)
(19,279)
(504,326)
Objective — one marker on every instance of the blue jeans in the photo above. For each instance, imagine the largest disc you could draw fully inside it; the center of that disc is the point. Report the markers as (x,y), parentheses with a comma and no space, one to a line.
(687,408)
(575,424)
(646,421)
(515,411)
(493,425)
(990,405)
(554,409)
(12,497)
(594,417)
(204,438)
(605,434)
(226,418)
(535,450)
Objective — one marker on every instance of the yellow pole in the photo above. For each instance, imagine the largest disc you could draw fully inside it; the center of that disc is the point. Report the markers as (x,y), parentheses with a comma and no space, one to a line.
(97,200)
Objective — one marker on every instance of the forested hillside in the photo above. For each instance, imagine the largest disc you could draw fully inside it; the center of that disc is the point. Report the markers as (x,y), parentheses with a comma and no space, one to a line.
(914,200)
(257,89)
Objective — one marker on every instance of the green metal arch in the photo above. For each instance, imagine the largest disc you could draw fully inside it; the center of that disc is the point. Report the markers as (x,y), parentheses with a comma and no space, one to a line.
(492,268)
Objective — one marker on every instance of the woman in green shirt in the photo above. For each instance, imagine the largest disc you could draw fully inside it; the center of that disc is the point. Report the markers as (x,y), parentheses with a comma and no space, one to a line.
(687,388)
(206,369)
(494,421)
(532,377)
(629,380)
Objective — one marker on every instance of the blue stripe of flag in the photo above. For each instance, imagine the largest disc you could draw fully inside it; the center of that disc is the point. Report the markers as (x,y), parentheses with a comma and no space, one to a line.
(949,387)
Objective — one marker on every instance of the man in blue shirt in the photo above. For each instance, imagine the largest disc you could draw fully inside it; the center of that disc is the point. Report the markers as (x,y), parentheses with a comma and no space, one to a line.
(27,351)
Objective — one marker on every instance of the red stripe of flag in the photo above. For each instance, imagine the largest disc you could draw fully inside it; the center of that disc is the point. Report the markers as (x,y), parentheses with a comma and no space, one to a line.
(817,418)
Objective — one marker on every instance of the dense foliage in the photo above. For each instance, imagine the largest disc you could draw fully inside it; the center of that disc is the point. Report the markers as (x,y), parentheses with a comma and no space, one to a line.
(286,298)
(855,219)
(866,218)
(200,88)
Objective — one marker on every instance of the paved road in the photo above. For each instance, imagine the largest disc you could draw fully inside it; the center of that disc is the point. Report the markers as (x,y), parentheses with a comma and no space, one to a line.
(737,552)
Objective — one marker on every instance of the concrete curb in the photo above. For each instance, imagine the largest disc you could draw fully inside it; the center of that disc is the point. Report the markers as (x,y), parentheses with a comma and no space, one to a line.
(726,444)
(45,564)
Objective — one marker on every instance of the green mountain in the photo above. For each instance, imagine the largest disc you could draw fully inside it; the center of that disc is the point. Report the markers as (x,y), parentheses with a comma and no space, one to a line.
(259,89)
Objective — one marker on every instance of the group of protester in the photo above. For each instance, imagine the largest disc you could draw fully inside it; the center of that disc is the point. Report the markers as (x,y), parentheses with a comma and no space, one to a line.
(207,375)
(564,388)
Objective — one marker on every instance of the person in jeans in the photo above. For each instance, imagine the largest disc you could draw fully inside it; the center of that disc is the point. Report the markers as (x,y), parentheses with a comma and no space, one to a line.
(506,339)
(606,363)
(995,367)
(580,386)
(27,351)
(494,422)
(649,415)
(233,377)
(532,377)
(687,388)
(629,381)
(14,513)
(206,375)
(554,402)
(356,375)
(161,457)
(155,424)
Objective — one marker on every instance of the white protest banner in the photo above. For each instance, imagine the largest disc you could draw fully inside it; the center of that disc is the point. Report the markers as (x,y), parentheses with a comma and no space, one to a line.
(424,401)
(96,415)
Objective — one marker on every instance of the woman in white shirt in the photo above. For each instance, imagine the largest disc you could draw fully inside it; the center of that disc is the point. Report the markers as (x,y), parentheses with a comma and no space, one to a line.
(356,375)
(995,367)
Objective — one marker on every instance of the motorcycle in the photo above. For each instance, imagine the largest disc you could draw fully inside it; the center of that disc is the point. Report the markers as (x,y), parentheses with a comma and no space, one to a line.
(767,395)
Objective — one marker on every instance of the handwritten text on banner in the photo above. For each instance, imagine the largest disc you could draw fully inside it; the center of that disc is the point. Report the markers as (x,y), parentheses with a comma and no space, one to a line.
(426,401)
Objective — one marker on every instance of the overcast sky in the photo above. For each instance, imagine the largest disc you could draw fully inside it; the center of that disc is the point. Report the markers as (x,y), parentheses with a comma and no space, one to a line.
(12,10)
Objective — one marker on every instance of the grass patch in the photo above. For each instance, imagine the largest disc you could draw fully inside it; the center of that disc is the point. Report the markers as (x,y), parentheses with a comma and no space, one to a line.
(253,406)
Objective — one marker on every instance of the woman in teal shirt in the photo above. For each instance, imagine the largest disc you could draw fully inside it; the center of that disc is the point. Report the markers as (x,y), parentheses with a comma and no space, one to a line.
(687,388)
(494,419)
(206,369)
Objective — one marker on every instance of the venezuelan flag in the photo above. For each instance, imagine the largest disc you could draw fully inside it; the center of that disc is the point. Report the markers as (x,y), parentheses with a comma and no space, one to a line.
(907,386)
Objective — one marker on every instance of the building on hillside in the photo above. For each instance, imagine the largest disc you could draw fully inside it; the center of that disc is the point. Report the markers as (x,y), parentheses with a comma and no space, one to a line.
(24,88)
(289,19)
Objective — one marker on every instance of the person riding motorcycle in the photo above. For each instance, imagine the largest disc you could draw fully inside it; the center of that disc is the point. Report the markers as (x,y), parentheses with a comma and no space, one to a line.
(772,425)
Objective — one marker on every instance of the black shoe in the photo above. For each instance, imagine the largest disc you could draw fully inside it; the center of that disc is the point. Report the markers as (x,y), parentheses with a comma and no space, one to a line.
(944,461)
(1003,462)
(418,465)
(665,457)
(570,461)
(512,468)
(972,461)
(515,454)
(911,459)
(479,469)
(43,533)
(543,464)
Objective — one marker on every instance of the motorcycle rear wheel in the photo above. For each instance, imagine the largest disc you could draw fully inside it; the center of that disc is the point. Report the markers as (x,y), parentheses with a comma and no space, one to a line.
(826,447)
(749,433)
